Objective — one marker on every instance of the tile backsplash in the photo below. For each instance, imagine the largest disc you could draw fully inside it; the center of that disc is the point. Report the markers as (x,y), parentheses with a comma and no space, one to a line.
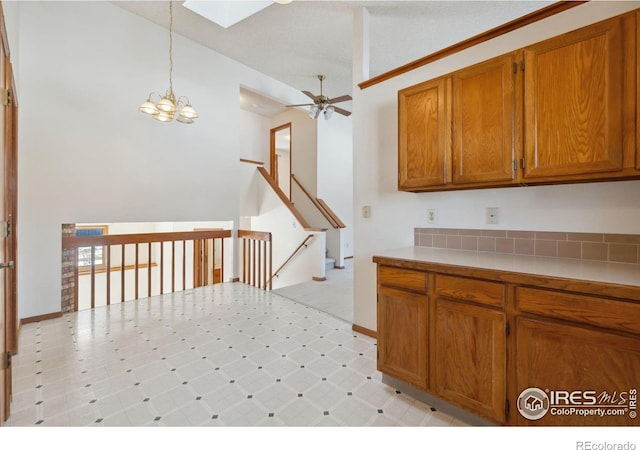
(592,246)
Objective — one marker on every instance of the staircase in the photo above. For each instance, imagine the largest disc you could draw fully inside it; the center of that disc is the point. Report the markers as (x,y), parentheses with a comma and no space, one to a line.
(329,263)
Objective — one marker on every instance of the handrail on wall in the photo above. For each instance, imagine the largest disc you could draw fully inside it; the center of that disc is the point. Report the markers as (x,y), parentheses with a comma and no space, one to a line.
(200,240)
(294,253)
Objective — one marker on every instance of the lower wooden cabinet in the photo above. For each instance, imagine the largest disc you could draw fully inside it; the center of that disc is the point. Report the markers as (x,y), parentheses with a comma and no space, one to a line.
(588,375)
(470,358)
(515,349)
(402,335)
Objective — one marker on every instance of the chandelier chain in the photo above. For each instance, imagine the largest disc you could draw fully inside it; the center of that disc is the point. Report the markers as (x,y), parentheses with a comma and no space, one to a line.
(169,107)
(171,46)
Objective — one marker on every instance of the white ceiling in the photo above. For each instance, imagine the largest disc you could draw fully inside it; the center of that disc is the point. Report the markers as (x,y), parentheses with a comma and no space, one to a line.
(296,42)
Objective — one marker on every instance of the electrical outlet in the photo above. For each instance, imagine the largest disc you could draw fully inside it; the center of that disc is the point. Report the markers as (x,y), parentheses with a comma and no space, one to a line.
(366,211)
(492,215)
(432,215)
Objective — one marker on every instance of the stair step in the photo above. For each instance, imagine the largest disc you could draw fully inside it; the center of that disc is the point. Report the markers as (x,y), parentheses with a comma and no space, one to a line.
(329,263)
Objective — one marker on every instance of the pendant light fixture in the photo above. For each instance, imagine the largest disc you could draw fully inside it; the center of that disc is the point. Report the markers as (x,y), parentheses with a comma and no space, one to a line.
(168,106)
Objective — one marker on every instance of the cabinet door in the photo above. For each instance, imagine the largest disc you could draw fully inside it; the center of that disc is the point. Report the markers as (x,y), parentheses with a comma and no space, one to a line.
(402,335)
(484,101)
(574,103)
(423,135)
(557,357)
(470,358)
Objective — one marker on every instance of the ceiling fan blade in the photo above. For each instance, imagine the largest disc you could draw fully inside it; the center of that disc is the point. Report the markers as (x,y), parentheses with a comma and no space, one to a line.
(343,98)
(310,95)
(302,104)
(344,112)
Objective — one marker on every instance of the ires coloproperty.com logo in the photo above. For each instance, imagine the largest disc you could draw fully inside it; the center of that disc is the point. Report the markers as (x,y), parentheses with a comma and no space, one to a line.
(534,403)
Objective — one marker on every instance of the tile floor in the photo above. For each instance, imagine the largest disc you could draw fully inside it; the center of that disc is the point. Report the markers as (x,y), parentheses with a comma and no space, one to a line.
(227,355)
(333,296)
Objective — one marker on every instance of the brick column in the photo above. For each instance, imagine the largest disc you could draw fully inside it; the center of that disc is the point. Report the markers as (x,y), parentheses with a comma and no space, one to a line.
(69,268)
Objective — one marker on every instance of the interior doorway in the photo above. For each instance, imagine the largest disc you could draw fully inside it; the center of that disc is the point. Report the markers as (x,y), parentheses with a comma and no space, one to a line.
(280,158)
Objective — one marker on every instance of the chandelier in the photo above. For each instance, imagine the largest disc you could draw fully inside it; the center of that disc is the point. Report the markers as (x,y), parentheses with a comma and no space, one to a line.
(167,107)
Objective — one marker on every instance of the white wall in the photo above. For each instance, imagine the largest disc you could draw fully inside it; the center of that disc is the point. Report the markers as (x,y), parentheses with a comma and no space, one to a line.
(335,172)
(597,207)
(254,139)
(87,155)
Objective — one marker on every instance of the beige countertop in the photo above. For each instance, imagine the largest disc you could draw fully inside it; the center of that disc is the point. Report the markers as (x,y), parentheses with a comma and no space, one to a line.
(574,269)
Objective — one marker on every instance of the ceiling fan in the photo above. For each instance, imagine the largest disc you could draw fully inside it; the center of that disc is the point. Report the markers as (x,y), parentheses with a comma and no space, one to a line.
(322,103)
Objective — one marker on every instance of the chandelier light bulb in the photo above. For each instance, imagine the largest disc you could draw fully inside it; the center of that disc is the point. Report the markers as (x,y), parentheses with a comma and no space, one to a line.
(188,112)
(148,107)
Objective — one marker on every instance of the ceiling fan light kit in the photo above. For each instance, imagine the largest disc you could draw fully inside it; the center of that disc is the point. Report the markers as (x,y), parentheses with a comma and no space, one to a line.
(324,104)
(164,110)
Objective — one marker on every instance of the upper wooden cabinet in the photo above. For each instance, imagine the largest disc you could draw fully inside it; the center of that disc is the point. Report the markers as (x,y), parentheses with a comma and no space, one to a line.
(484,102)
(423,143)
(574,102)
(562,110)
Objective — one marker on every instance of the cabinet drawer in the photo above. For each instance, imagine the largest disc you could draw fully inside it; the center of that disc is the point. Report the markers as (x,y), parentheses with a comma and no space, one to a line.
(600,312)
(413,280)
(472,290)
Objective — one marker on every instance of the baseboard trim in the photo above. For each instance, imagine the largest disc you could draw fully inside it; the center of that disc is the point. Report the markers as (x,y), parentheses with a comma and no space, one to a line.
(364,331)
(319,278)
(40,318)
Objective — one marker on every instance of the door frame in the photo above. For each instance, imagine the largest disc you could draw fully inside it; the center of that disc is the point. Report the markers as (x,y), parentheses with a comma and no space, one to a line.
(273,158)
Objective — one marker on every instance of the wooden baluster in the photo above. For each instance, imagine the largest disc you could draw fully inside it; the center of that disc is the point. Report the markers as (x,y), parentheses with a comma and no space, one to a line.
(93,276)
(108,273)
(244,260)
(136,269)
(149,269)
(263,285)
(270,263)
(173,266)
(221,260)
(195,263)
(161,276)
(184,265)
(259,257)
(205,261)
(122,291)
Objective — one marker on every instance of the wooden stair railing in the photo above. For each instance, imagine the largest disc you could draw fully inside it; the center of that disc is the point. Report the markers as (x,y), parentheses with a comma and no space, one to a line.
(294,253)
(199,239)
(320,204)
(256,258)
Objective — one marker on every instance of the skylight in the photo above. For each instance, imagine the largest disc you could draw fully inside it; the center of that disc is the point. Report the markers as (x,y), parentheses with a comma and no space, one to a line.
(226,13)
